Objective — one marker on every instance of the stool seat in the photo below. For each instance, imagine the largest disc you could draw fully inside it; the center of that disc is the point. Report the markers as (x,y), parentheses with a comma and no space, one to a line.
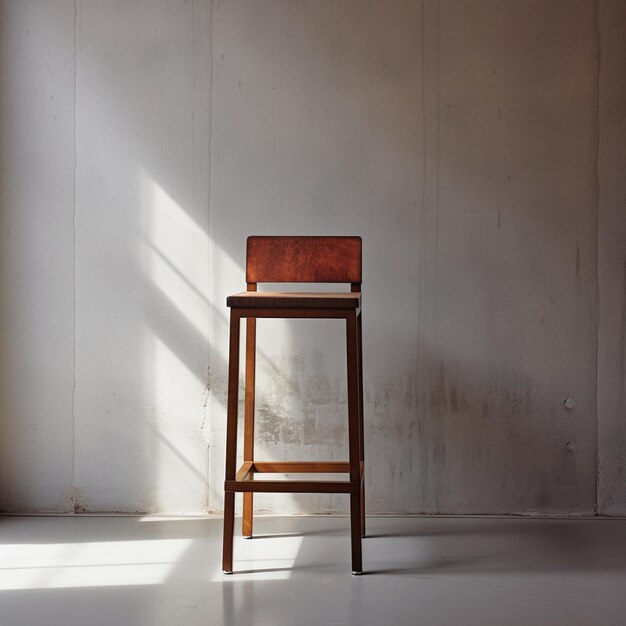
(295,300)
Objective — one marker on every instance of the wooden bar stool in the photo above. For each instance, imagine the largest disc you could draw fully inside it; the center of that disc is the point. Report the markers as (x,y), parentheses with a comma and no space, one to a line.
(295,260)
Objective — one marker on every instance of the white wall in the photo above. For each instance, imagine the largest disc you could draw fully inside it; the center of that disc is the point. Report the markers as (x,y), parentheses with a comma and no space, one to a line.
(36,253)
(105,265)
(141,256)
(473,145)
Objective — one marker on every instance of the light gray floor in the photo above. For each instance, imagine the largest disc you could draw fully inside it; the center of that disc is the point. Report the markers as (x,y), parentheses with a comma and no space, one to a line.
(145,571)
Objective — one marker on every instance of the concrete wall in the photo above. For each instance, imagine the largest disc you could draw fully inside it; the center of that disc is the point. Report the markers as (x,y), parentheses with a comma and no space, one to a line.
(612,262)
(104,181)
(477,147)
(36,253)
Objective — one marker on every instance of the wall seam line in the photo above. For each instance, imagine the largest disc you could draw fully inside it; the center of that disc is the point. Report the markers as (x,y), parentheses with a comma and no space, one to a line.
(597,194)
(209,504)
(73,502)
(437,163)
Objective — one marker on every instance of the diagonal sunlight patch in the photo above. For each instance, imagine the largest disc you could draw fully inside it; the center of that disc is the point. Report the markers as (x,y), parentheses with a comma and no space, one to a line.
(175,255)
(98,564)
(264,559)
(175,259)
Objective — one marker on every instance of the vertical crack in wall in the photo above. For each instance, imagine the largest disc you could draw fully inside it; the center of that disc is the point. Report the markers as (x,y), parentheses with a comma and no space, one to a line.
(429,242)
(436,183)
(422,234)
(597,192)
(209,403)
(73,475)
(194,81)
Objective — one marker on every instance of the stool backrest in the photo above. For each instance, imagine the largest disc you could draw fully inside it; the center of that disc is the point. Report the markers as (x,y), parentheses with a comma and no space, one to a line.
(304,260)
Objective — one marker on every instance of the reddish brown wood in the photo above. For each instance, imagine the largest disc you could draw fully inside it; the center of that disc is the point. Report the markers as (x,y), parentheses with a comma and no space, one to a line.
(233,396)
(296,259)
(290,299)
(248,427)
(354,440)
(295,486)
(308,313)
(244,472)
(359,326)
(301,467)
(231,441)
(229,532)
(303,260)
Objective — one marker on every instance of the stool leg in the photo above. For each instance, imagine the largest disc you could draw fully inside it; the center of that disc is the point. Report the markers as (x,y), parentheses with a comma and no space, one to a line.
(231,442)
(248,424)
(229,531)
(353,440)
(361,427)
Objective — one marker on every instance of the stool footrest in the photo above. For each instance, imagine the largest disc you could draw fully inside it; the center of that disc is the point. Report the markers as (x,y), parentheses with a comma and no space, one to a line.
(246,482)
(300,467)
(292,486)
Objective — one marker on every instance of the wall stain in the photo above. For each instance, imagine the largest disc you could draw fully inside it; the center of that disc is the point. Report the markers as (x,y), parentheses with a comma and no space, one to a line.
(75,505)
(448,397)
(622,362)
(438,396)
(273,425)
(454,401)
(485,409)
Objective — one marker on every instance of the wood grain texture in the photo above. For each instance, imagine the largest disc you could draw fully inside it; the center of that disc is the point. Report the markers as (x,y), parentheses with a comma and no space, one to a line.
(244,471)
(303,260)
(304,467)
(293,300)
(298,486)
(295,259)
(247,521)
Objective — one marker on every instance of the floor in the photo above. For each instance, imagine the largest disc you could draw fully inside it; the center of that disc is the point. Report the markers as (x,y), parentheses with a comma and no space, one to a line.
(166,571)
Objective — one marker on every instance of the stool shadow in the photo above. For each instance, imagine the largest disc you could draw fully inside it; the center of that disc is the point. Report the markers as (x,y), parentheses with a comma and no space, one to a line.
(422,571)
(261,570)
(306,533)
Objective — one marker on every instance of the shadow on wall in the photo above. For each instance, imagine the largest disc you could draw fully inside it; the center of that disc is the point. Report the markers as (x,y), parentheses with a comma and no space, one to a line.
(479,321)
